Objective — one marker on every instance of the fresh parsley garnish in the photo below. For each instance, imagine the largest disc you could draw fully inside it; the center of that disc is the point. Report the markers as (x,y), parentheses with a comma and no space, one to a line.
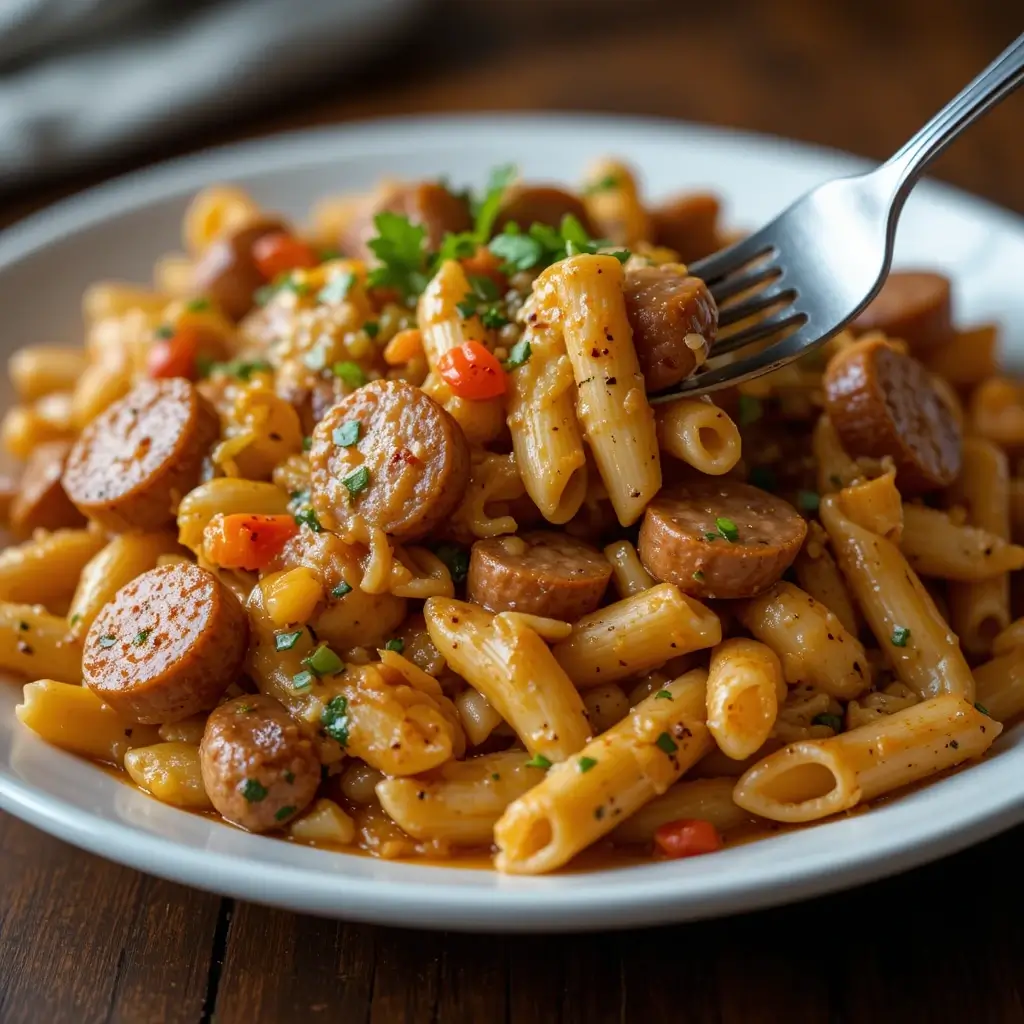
(585,764)
(834,722)
(372,328)
(347,434)
(253,791)
(198,305)
(667,744)
(698,577)
(141,637)
(335,719)
(286,641)
(341,590)
(302,680)
(728,529)
(284,813)
(357,481)
(900,636)
(605,184)
(324,662)
(538,761)
(397,645)
(404,260)
(456,558)
(521,352)
(663,695)
(542,245)
(351,373)
(307,517)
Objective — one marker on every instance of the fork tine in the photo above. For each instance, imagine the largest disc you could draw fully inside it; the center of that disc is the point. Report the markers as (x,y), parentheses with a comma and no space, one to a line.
(757,332)
(748,307)
(732,258)
(725,288)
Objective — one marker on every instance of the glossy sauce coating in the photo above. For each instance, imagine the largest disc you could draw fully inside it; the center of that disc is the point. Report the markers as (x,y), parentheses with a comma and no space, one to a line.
(131,465)
(882,402)
(259,769)
(666,308)
(168,645)
(407,471)
(540,573)
(687,538)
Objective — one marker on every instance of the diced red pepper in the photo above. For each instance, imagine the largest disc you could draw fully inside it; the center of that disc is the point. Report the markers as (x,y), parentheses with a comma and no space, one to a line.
(688,837)
(175,356)
(472,372)
(244,541)
(279,253)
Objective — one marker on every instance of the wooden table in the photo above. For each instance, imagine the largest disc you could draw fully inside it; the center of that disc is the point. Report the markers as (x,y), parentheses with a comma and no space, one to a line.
(82,940)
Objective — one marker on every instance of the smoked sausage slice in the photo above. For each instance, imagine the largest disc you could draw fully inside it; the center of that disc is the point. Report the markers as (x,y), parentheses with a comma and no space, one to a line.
(719,538)
(391,454)
(540,204)
(167,646)
(227,271)
(914,306)
(540,573)
(40,500)
(259,769)
(674,321)
(688,224)
(132,464)
(882,402)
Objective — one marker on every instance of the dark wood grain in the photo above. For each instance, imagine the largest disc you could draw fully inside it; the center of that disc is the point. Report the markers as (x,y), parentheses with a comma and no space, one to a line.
(82,940)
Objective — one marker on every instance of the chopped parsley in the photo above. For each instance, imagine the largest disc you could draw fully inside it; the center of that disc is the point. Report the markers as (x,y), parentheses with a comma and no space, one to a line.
(585,764)
(302,680)
(284,813)
(397,645)
(73,621)
(763,477)
(456,558)
(107,640)
(253,791)
(495,776)
(521,352)
(663,695)
(808,500)
(341,590)
(335,719)
(978,706)
(347,434)
(141,637)
(485,211)
(481,300)
(198,306)
(751,409)
(324,662)
(351,373)
(243,369)
(307,517)
(542,245)
(164,331)
(493,319)
(289,777)
(371,328)
(399,246)
(667,744)
(711,536)
(286,641)
(337,288)
(834,722)
(538,761)
(698,576)
(357,481)
(605,184)
(900,636)
(307,443)
(728,529)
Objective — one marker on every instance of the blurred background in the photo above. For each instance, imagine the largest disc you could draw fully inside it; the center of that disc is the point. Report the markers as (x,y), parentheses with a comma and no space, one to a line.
(92,88)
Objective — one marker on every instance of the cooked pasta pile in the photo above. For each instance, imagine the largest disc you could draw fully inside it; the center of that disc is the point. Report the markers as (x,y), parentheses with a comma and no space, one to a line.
(367,535)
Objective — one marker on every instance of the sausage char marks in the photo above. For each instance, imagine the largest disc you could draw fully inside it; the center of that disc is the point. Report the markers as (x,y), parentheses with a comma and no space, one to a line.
(391,454)
(540,573)
(883,402)
(259,769)
(718,538)
(167,646)
(133,462)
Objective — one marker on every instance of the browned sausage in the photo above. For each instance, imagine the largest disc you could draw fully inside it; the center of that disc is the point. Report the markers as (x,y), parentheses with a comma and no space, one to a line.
(132,464)
(914,306)
(540,204)
(167,646)
(259,769)
(718,538)
(40,500)
(540,573)
(426,203)
(227,272)
(688,224)
(665,308)
(882,402)
(406,472)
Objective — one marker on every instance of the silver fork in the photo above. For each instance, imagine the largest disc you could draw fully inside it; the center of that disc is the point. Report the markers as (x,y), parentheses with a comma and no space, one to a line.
(822,260)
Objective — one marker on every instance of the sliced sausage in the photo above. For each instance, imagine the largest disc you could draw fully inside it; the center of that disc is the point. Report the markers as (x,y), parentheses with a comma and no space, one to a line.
(718,538)
(674,321)
(540,573)
(688,224)
(882,402)
(914,306)
(131,465)
(167,646)
(259,769)
(426,203)
(227,271)
(40,500)
(540,204)
(405,473)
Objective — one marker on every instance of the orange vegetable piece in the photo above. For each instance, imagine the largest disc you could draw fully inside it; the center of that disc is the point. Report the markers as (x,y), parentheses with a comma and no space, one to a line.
(279,253)
(688,837)
(244,541)
(472,372)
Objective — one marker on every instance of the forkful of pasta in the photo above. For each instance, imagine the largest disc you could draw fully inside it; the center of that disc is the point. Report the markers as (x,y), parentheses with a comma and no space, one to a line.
(806,275)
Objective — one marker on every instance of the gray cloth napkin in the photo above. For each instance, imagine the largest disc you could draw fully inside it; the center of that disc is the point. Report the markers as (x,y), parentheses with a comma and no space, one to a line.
(83,80)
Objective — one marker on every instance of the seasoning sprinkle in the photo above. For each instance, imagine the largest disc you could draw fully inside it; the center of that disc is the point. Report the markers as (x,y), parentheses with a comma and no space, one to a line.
(663,695)
(284,814)
(253,791)
(728,529)
(585,764)
(341,590)
(307,517)
(357,481)
(397,644)
(538,761)
(698,576)
(347,434)
(302,680)
(141,637)
(286,641)
(900,636)
(335,719)
(667,744)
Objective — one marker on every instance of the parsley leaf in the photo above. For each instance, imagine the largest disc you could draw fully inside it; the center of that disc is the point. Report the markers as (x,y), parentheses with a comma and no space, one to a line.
(538,761)
(351,373)
(357,481)
(521,351)
(253,791)
(834,722)
(397,645)
(900,636)
(485,211)
(341,589)
(347,434)
(335,719)
(307,517)
(456,558)
(399,247)
(667,744)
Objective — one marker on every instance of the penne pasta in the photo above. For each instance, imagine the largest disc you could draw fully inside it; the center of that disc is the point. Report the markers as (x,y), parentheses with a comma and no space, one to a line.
(968,358)
(636,634)
(876,505)
(813,779)
(34,643)
(515,670)
(698,433)
(227,496)
(1000,685)
(606,706)
(913,636)
(170,772)
(614,775)
(745,688)
(835,468)
(40,370)
(478,715)
(45,569)
(817,573)
(613,203)
(628,572)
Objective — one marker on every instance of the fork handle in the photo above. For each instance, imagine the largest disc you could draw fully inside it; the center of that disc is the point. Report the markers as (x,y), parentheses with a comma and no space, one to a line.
(994,84)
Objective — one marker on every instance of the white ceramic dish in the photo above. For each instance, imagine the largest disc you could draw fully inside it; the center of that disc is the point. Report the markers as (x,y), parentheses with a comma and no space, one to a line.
(117,231)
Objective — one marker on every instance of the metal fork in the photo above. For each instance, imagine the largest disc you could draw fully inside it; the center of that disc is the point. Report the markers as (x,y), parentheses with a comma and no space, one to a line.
(821,261)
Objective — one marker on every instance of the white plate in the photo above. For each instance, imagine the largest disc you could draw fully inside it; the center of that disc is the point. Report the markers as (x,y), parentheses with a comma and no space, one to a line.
(119,229)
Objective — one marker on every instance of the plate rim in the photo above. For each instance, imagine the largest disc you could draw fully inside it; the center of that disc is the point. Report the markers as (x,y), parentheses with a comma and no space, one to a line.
(634,900)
